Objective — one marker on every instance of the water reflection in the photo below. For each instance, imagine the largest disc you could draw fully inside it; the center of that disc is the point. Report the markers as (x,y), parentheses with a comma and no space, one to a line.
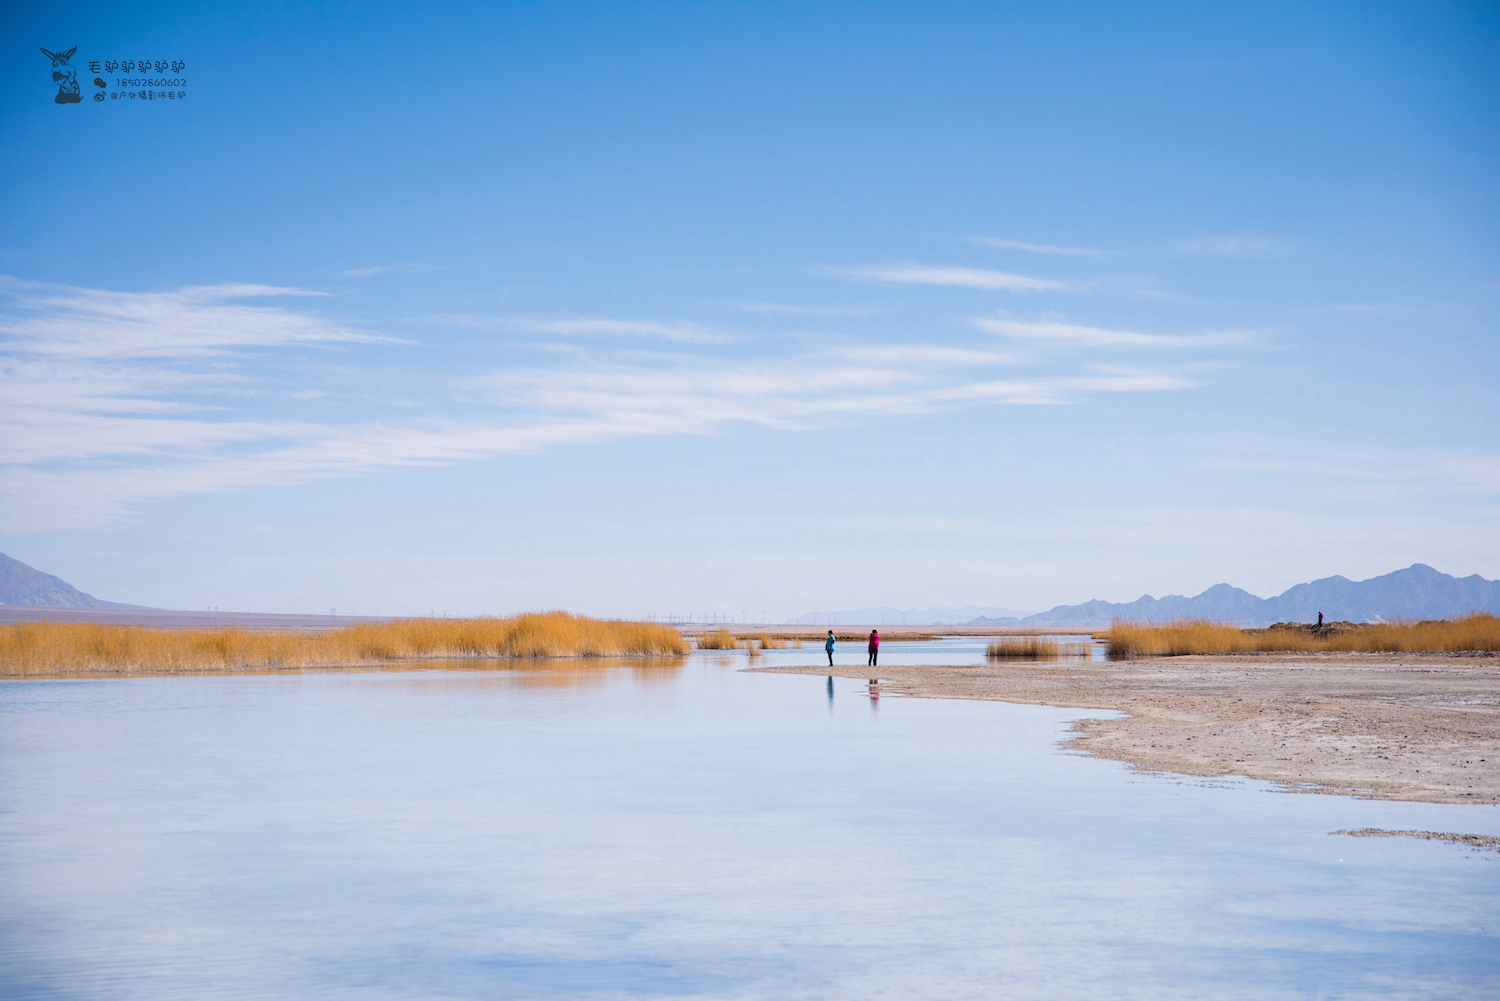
(523,672)
(562,672)
(578,828)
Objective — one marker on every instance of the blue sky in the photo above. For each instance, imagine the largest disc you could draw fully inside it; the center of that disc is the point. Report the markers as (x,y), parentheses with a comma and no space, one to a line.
(749,308)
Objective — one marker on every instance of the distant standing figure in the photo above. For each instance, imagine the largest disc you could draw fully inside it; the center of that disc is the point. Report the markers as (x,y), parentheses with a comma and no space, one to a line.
(828,645)
(1320,618)
(874,646)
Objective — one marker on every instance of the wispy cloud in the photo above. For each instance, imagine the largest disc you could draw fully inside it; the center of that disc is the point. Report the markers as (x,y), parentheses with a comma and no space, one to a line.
(63,322)
(1035,248)
(784,310)
(1065,389)
(88,374)
(923,354)
(1245,247)
(921,274)
(698,398)
(386,269)
(1072,333)
(153,395)
(680,331)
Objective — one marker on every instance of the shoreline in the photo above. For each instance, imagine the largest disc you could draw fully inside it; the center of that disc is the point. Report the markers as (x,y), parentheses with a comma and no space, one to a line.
(1413,727)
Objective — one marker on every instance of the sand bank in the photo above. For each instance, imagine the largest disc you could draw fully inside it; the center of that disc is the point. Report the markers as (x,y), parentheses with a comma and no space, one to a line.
(1380,726)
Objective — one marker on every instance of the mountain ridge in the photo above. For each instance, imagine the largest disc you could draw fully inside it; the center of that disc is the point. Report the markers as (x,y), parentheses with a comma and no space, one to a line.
(1417,592)
(21,584)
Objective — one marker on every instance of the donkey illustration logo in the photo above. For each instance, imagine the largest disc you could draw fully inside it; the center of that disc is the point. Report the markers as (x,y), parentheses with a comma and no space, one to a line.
(64,77)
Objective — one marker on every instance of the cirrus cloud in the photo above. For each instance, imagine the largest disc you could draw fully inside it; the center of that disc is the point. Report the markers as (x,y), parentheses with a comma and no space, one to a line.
(1033,248)
(959,277)
(1058,331)
(109,400)
(676,331)
(77,323)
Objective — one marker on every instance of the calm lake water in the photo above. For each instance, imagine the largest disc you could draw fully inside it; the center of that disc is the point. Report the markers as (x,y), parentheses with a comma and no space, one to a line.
(680,831)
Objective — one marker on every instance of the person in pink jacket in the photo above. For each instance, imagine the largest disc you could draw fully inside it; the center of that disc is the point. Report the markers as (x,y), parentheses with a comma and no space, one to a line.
(874,646)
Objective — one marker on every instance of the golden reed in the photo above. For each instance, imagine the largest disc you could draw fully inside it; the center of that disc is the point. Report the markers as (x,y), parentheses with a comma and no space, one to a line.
(53,648)
(1479,632)
(1023,648)
(718,639)
(1034,648)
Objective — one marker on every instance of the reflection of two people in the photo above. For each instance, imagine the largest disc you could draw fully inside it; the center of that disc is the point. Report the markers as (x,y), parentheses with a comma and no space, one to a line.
(874,693)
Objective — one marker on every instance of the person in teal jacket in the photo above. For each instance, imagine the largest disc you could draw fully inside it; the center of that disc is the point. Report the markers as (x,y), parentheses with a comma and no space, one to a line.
(828,645)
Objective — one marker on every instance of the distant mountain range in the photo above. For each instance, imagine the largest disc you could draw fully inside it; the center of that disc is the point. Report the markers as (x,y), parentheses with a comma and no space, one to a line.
(24,585)
(943,615)
(1418,592)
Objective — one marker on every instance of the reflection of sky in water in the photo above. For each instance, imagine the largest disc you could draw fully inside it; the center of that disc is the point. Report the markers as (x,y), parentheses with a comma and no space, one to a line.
(581,831)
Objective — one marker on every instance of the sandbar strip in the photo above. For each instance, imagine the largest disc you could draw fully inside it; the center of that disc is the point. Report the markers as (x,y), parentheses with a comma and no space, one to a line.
(1420,728)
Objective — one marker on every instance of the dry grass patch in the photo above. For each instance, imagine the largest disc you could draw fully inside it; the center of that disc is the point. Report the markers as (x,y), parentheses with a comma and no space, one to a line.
(1470,633)
(1035,648)
(719,639)
(53,648)
(1024,648)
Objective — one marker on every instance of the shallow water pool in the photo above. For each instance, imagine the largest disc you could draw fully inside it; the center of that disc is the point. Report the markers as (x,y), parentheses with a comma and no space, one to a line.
(680,830)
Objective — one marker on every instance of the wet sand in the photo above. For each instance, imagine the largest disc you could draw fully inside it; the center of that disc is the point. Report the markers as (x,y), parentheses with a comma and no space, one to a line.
(1422,728)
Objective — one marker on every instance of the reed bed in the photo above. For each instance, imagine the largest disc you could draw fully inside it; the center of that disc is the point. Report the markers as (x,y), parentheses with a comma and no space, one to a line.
(1470,633)
(1035,648)
(1023,648)
(718,639)
(52,648)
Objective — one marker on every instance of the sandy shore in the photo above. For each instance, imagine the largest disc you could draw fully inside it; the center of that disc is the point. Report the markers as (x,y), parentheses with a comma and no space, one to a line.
(1381,726)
